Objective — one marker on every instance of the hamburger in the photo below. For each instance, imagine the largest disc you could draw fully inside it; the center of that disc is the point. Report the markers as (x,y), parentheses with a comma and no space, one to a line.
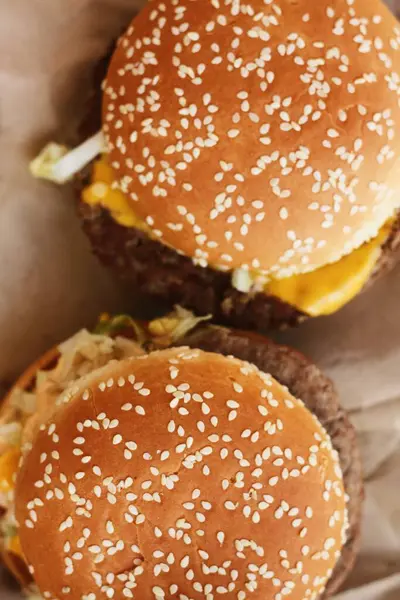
(247,163)
(176,459)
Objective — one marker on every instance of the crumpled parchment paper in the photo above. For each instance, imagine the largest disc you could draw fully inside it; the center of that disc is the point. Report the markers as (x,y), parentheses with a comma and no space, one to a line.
(50,285)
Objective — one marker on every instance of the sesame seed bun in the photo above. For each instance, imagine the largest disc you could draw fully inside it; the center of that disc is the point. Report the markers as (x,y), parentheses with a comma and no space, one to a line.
(306,381)
(260,136)
(132,489)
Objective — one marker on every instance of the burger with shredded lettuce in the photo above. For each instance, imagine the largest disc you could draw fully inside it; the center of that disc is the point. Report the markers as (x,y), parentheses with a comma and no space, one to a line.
(177,459)
(246,161)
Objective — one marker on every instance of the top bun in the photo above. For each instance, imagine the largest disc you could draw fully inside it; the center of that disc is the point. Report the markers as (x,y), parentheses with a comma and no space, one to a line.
(182,474)
(261,134)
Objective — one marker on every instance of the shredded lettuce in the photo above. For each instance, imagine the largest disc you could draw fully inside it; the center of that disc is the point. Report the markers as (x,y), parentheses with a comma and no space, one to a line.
(10,434)
(170,329)
(121,324)
(24,401)
(33,594)
(242,280)
(9,527)
(59,164)
(159,333)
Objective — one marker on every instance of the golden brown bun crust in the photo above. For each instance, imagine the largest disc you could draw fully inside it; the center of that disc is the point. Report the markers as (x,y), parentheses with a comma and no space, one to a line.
(266,139)
(13,562)
(159,471)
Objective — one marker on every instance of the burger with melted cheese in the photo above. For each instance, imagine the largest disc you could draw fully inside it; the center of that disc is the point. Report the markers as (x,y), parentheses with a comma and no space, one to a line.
(248,162)
(175,459)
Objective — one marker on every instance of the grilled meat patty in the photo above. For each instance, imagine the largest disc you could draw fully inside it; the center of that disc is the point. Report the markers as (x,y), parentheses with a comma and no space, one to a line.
(159,272)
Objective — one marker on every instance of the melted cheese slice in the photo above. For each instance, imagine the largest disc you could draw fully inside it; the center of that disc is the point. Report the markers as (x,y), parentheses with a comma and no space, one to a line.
(321,292)
(14,545)
(8,467)
(100,192)
(329,288)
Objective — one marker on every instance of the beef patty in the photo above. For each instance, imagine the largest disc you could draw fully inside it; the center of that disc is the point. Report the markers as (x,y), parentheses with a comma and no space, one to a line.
(160,273)
(307,382)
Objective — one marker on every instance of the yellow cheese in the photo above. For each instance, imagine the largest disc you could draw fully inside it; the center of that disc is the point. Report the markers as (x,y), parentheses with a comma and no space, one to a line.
(14,546)
(101,192)
(8,468)
(14,559)
(326,290)
(320,292)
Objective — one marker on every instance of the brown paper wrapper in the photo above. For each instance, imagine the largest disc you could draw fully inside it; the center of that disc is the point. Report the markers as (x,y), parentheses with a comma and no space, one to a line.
(50,286)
